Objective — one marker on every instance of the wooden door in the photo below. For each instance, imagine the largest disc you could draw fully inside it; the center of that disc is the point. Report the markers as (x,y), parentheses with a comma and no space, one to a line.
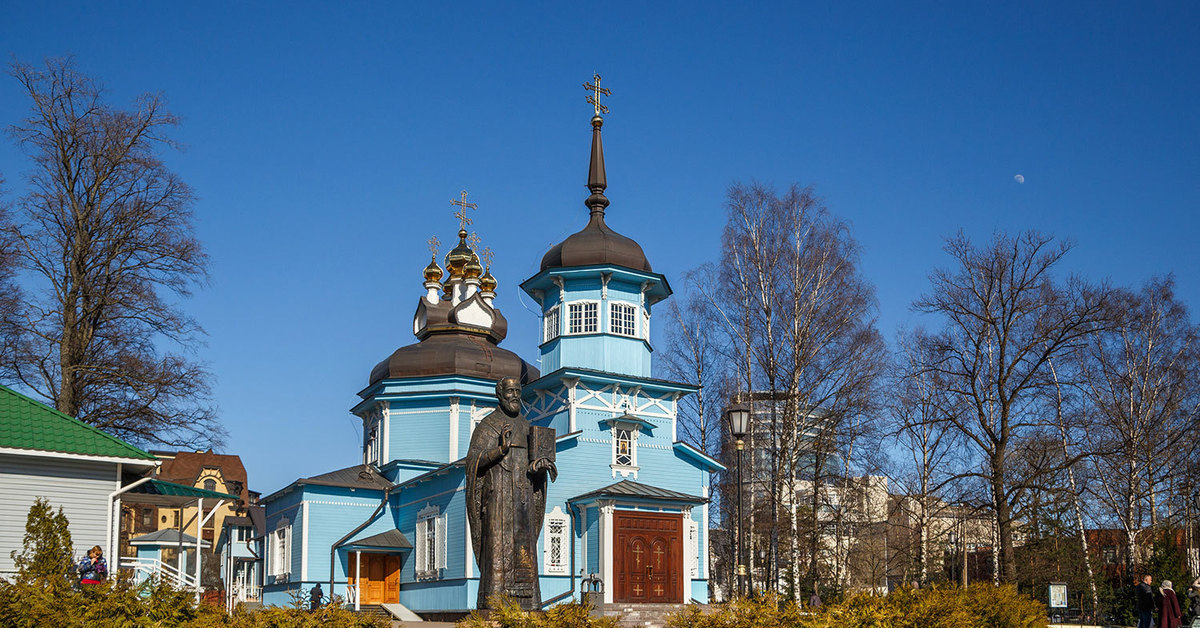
(379,578)
(648,557)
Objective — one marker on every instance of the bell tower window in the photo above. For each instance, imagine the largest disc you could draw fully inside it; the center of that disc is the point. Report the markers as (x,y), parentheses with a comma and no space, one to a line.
(622,319)
(583,317)
(553,324)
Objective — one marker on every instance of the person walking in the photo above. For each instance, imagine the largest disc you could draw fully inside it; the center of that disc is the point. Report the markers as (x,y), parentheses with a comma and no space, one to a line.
(1170,615)
(1145,603)
(92,568)
(314,597)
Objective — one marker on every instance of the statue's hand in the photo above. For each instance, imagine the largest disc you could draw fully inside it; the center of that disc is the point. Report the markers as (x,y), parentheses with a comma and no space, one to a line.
(506,436)
(542,464)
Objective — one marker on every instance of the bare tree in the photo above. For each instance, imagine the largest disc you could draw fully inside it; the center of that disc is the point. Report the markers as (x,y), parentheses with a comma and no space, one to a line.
(10,293)
(1005,317)
(930,446)
(1141,381)
(694,355)
(106,230)
(798,312)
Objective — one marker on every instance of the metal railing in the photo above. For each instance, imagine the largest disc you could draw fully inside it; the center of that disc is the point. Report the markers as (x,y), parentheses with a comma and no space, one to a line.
(163,572)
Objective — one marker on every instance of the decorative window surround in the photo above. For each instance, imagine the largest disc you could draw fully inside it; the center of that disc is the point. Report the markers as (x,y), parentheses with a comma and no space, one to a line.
(625,431)
(583,317)
(552,324)
(281,550)
(555,549)
(431,544)
(622,319)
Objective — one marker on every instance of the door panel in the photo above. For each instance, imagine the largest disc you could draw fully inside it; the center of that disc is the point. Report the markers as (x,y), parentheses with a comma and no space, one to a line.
(648,557)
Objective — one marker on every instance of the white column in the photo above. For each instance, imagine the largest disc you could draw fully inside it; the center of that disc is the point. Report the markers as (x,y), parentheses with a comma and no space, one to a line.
(304,542)
(357,580)
(607,514)
(688,559)
(453,429)
(199,539)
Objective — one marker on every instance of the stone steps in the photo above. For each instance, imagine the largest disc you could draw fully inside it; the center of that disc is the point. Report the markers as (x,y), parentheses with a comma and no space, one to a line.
(640,615)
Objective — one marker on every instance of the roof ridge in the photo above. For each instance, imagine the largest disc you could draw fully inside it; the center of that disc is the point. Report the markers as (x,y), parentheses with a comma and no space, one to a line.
(62,415)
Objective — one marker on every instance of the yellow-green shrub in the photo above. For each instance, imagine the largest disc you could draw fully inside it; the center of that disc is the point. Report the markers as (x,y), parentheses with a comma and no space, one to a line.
(980,606)
(508,614)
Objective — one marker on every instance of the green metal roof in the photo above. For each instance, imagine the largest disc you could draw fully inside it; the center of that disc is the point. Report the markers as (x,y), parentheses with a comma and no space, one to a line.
(171,489)
(28,424)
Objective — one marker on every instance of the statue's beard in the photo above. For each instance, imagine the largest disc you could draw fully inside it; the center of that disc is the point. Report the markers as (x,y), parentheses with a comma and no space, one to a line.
(511,408)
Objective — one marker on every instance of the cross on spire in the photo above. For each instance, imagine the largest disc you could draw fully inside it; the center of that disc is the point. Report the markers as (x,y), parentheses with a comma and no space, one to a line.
(597,92)
(434,243)
(486,254)
(461,212)
(473,240)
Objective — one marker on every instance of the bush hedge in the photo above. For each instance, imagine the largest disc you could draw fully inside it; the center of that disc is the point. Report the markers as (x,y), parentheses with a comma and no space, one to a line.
(979,606)
(508,614)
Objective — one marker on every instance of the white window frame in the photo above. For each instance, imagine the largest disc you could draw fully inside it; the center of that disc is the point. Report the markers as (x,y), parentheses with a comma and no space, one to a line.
(634,430)
(281,549)
(613,306)
(555,536)
(552,324)
(431,543)
(583,306)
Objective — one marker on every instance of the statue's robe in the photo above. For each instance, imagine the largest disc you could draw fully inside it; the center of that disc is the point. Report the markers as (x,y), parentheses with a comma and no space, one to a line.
(505,506)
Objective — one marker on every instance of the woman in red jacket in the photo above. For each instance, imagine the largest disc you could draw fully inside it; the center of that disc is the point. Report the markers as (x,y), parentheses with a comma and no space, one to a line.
(1170,615)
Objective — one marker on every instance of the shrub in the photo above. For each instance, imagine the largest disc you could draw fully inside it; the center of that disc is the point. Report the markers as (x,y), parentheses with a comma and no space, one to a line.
(979,606)
(507,613)
(46,550)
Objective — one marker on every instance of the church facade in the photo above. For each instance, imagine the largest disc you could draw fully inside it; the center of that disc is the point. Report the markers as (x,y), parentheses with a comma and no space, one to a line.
(627,516)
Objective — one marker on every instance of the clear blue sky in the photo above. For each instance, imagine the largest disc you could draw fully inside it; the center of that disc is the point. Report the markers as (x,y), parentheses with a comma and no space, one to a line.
(326,139)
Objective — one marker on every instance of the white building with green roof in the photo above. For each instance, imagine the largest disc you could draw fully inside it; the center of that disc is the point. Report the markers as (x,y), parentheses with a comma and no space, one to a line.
(45,453)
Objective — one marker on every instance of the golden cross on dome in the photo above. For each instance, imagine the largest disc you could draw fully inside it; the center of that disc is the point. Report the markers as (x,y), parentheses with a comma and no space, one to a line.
(597,92)
(486,254)
(473,241)
(434,243)
(461,212)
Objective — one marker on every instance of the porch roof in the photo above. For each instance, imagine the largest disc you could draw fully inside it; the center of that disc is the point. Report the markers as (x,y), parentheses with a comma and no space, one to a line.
(391,539)
(628,489)
(167,537)
(164,493)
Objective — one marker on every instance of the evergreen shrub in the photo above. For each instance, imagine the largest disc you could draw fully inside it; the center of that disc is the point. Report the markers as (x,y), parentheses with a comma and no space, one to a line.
(979,606)
(508,614)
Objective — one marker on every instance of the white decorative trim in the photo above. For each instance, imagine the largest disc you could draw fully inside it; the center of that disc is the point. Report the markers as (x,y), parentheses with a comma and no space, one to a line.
(386,412)
(304,540)
(707,542)
(469,568)
(607,512)
(604,279)
(571,384)
(557,528)
(453,429)
(59,454)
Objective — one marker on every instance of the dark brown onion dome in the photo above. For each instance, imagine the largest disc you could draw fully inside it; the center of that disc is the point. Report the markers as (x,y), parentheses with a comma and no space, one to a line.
(454,354)
(597,243)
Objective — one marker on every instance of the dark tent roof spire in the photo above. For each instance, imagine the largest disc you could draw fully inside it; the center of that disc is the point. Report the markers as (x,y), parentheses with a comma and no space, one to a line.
(597,182)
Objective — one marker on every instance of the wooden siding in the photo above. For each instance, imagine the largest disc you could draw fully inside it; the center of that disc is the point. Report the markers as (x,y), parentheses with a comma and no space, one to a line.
(81,488)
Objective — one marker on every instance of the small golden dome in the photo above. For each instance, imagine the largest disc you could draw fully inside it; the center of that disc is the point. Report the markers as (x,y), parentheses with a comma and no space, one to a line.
(487,282)
(473,269)
(433,272)
(458,257)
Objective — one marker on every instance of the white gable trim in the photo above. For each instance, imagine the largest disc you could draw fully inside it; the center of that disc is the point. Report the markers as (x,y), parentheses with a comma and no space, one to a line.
(41,453)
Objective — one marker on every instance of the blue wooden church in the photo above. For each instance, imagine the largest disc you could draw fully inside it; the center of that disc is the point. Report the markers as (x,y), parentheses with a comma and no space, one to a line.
(627,516)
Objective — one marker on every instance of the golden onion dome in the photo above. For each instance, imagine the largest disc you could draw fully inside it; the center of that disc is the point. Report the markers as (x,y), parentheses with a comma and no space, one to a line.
(487,282)
(473,269)
(433,272)
(458,257)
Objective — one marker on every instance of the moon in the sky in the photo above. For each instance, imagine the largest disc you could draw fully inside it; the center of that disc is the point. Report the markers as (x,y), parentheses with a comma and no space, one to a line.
(1019,178)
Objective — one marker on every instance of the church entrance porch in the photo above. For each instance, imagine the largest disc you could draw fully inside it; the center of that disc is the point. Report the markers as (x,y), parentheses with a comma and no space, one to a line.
(648,553)
(376,577)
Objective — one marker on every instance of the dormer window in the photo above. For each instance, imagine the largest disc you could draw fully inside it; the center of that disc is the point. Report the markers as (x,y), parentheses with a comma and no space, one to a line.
(583,317)
(622,319)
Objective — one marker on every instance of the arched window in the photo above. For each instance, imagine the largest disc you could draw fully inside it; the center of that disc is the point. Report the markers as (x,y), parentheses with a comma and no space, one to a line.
(554,545)
(210,485)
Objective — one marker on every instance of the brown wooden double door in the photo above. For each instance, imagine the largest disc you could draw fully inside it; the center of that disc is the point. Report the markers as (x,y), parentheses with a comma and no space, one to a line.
(648,557)
(379,575)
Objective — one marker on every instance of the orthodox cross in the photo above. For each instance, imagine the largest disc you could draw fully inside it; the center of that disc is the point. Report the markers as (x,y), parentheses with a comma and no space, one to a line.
(637,553)
(461,212)
(658,590)
(487,256)
(658,553)
(434,243)
(597,92)
(473,241)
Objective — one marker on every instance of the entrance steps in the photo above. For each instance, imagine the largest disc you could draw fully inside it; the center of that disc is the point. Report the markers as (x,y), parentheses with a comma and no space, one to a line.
(640,615)
(376,611)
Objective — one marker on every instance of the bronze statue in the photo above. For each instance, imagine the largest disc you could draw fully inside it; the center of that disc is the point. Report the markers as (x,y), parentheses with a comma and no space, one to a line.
(507,467)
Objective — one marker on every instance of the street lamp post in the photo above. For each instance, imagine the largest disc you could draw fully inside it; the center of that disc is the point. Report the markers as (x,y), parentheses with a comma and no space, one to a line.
(739,426)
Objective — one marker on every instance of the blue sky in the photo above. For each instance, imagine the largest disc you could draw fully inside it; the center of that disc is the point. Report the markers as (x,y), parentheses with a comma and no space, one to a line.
(325,140)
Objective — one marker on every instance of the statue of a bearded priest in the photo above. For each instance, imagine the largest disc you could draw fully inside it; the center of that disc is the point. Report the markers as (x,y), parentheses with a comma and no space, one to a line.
(508,464)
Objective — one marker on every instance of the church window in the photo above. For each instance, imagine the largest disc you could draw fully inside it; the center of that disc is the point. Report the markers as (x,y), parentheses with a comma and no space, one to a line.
(553,325)
(431,543)
(555,543)
(623,447)
(622,319)
(371,451)
(583,317)
(210,485)
(281,549)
